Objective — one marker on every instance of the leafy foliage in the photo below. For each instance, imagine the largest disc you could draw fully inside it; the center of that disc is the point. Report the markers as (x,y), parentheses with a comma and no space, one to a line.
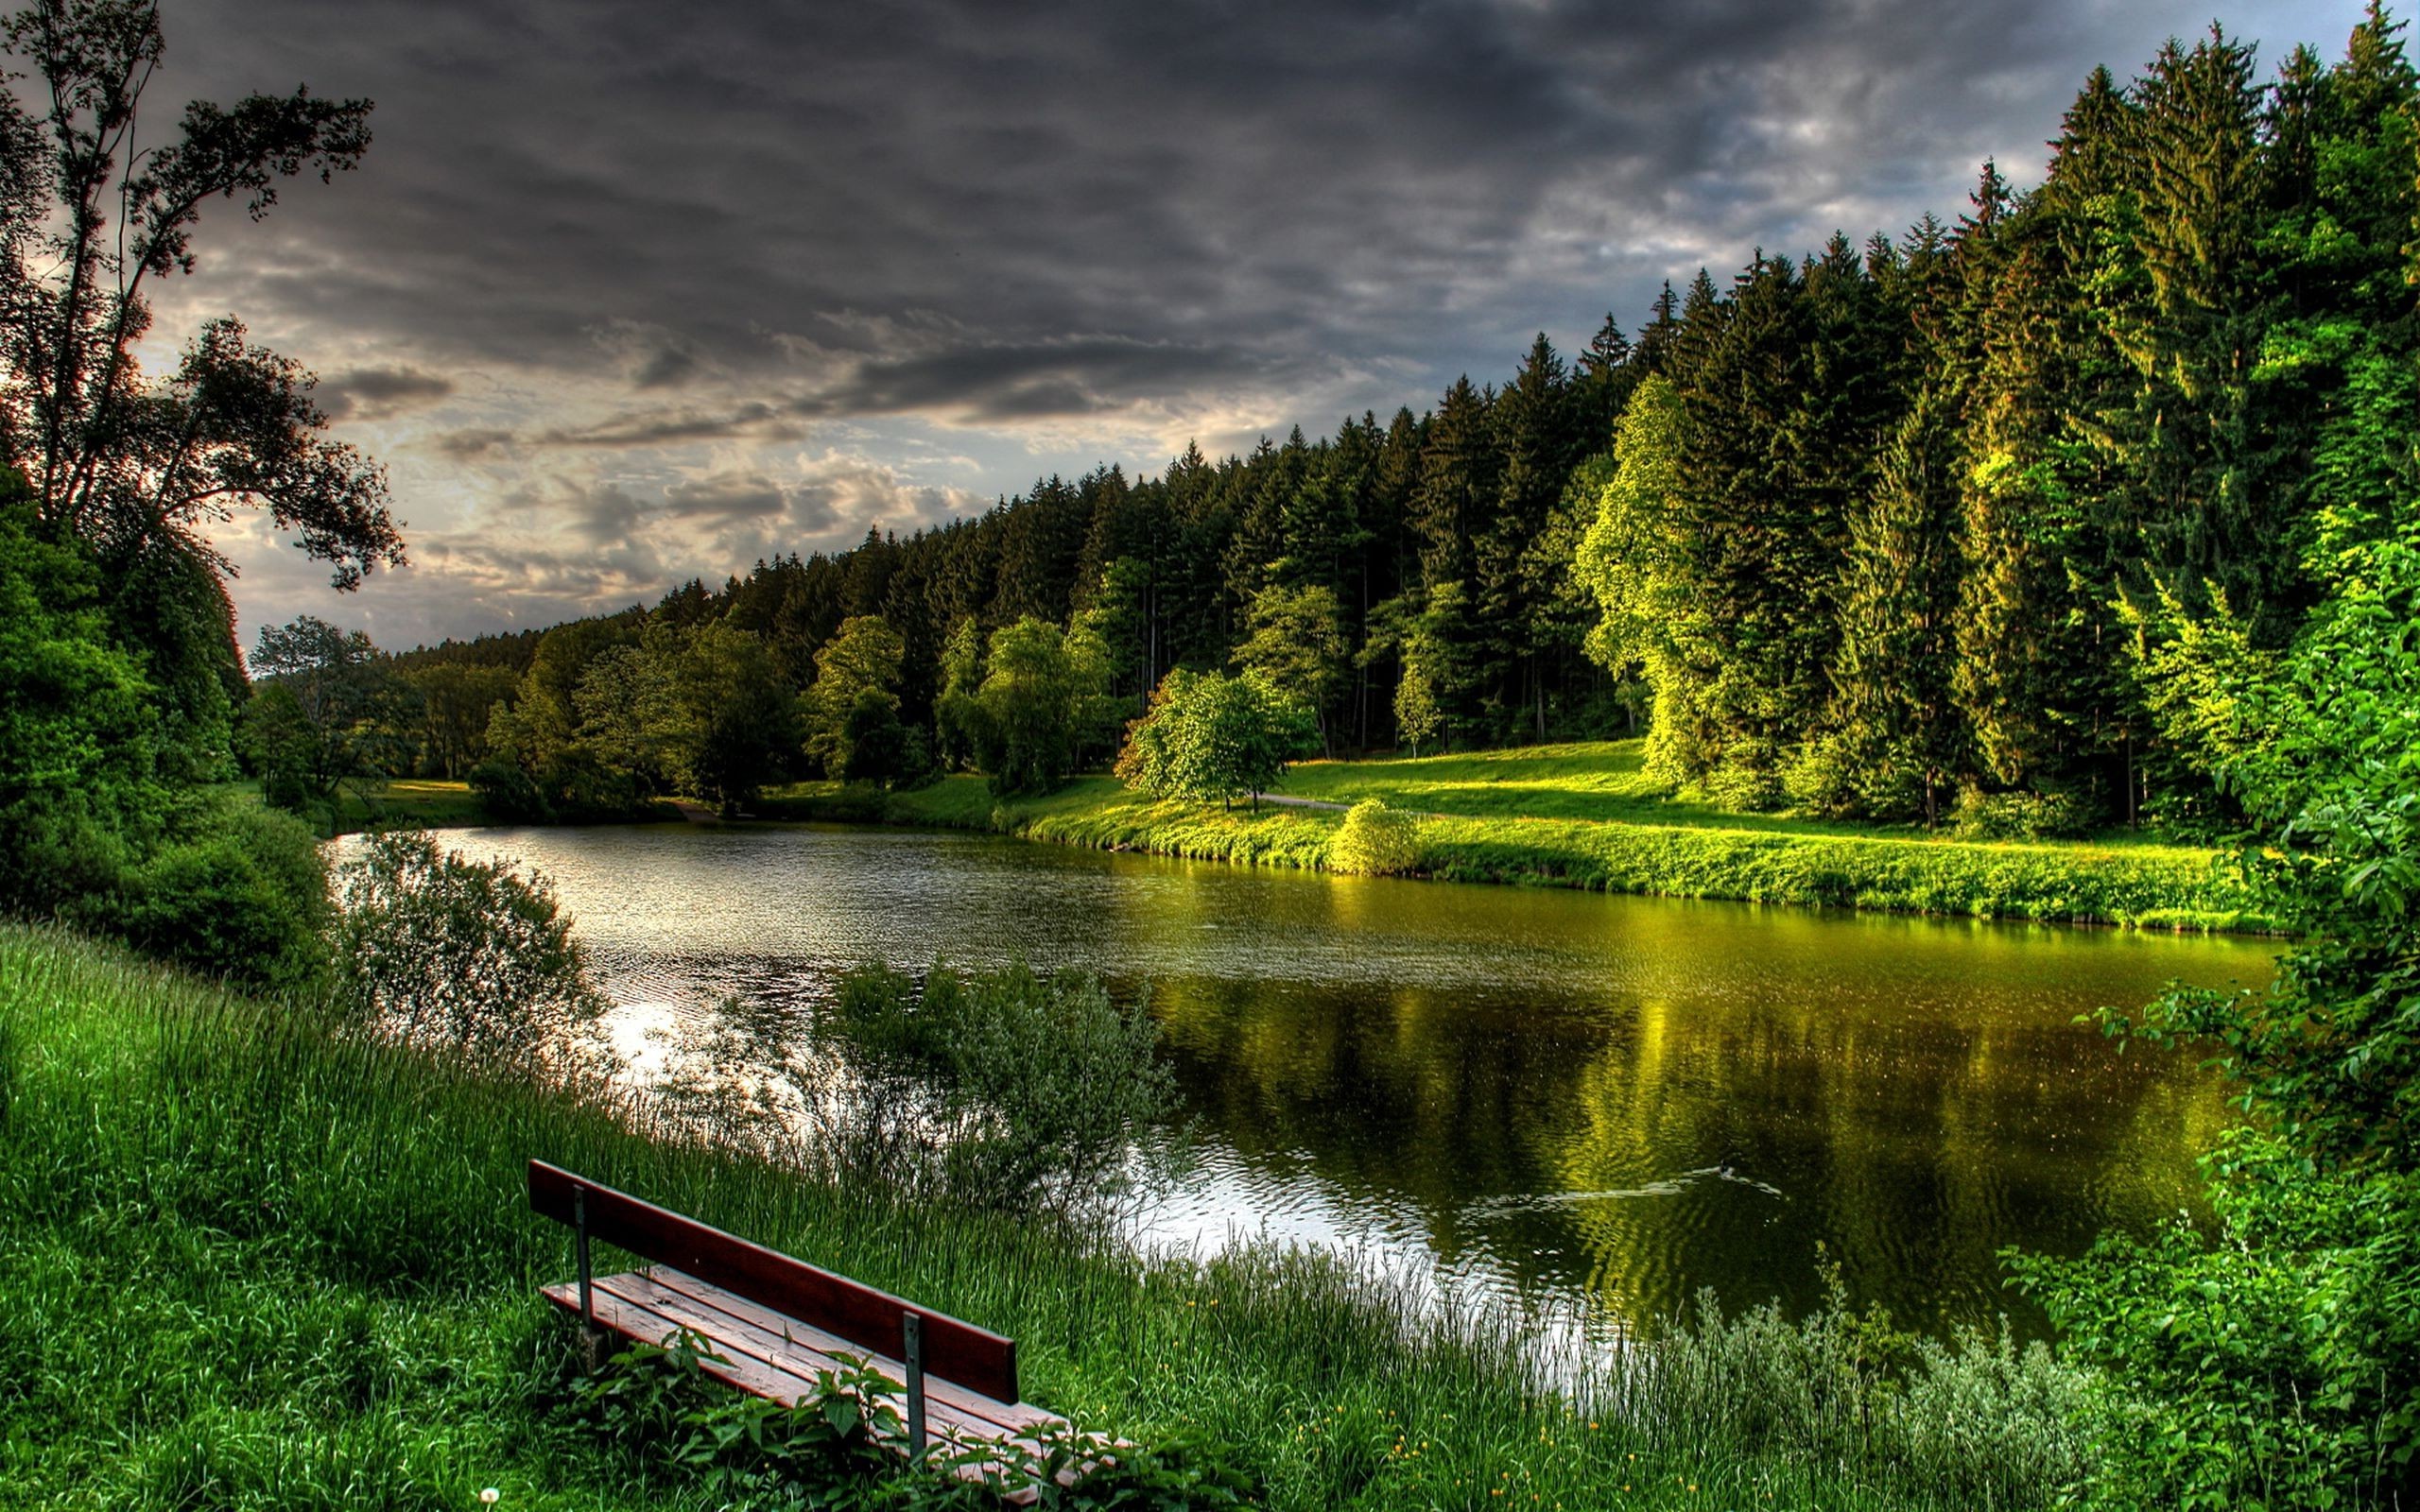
(2279,1360)
(840,1445)
(81,792)
(999,1088)
(1210,736)
(1375,841)
(1027,721)
(2270,1364)
(326,708)
(465,955)
(85,223)
(861,662)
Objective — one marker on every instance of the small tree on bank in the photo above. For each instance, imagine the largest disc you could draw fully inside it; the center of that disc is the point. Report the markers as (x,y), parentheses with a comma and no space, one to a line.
(1208,736)
(471,957)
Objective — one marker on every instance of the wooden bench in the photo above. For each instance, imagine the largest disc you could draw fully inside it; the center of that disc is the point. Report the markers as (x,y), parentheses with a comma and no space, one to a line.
(778,1322)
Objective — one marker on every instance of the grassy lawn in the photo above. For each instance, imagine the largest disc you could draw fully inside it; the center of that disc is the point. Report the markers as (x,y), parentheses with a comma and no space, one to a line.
(1600,780)
(431,802)
(1583,815)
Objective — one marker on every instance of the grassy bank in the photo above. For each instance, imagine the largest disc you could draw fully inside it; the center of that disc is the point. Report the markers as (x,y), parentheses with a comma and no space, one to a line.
(1575,816)
(250,1264)
(1583,816)
(431,802)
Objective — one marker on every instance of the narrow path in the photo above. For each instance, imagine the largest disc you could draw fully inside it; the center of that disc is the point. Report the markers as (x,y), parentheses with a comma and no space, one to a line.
(1285,802)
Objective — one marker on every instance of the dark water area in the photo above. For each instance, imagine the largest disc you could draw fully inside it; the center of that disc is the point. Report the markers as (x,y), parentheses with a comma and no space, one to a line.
(1557,1095)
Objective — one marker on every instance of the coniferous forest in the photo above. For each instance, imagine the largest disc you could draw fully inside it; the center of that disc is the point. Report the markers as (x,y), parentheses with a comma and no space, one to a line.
(1957,512)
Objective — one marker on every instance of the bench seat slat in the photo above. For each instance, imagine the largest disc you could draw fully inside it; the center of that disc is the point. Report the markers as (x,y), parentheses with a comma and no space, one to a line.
(954,1349)
(785,1381)
(691,1303)
(778,1322)
(758,1320)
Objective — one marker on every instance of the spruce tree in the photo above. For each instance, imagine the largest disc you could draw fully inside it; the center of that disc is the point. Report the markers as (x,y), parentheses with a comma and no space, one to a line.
(1898,739)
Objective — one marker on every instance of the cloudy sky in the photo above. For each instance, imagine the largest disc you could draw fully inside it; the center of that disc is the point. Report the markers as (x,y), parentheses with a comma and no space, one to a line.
(629,292)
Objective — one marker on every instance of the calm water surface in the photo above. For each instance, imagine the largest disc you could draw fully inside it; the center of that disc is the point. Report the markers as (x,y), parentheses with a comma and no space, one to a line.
(1556,1094)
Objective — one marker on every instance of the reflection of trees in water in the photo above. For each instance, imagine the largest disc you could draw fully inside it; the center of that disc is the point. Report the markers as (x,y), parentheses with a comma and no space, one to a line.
(1641,1150)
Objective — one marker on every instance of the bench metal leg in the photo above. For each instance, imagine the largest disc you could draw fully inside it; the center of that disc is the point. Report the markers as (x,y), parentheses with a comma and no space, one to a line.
(911,1353)
(591,1350)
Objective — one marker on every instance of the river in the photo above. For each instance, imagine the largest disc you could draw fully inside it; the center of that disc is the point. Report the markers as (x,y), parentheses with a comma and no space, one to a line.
(1557,1095)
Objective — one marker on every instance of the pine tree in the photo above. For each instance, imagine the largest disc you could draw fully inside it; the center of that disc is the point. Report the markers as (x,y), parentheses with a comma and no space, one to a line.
(1535,439)
(2039,660)
(1897,738)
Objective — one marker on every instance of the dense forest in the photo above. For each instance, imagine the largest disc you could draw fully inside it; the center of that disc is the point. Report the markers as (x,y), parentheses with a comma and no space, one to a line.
(1856,532)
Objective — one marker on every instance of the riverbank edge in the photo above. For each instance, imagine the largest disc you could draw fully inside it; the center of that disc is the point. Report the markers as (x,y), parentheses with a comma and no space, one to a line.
(325,1238)
(2144,888)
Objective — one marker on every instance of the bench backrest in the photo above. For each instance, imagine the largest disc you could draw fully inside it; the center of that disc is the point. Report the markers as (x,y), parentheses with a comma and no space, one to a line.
(974,1358)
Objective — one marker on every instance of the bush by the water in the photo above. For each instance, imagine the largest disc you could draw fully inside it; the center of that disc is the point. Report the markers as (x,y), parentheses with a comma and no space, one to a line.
(2274,1361)
(231,889)
(1375,841)
(1001,1088)
(469,957)
(2275,1365)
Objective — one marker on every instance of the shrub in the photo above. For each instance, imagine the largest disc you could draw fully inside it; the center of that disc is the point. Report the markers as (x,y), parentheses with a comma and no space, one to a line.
(469,956)
(508,793)
(2273,1363)
(1002,1088)
(1982,815)
(1822,778)
(1375,841)
(835,1445)
(239,892)
(873,744)
(1210,736)
(1746,783)
(918,768)
(80,732)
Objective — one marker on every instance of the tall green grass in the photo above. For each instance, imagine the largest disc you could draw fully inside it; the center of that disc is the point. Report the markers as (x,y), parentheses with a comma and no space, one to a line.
(250,1263)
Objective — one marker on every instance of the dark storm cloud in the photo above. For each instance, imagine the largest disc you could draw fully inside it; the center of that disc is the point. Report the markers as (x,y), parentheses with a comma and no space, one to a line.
(472,442)
(1236,191)
(1010,382)
(681,426)
(731,497)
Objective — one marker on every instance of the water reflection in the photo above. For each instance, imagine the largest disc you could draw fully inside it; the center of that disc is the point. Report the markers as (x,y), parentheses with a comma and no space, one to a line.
(1552,1092)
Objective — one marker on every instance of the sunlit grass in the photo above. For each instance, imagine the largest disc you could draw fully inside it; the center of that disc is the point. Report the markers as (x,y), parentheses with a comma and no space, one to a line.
(1605,782)
(430,802)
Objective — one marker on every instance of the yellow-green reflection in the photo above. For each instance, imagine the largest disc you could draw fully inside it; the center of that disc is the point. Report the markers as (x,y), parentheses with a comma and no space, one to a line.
(1561,1093)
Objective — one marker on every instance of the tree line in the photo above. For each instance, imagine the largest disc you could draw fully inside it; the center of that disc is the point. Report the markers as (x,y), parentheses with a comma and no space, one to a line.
(1937,518)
